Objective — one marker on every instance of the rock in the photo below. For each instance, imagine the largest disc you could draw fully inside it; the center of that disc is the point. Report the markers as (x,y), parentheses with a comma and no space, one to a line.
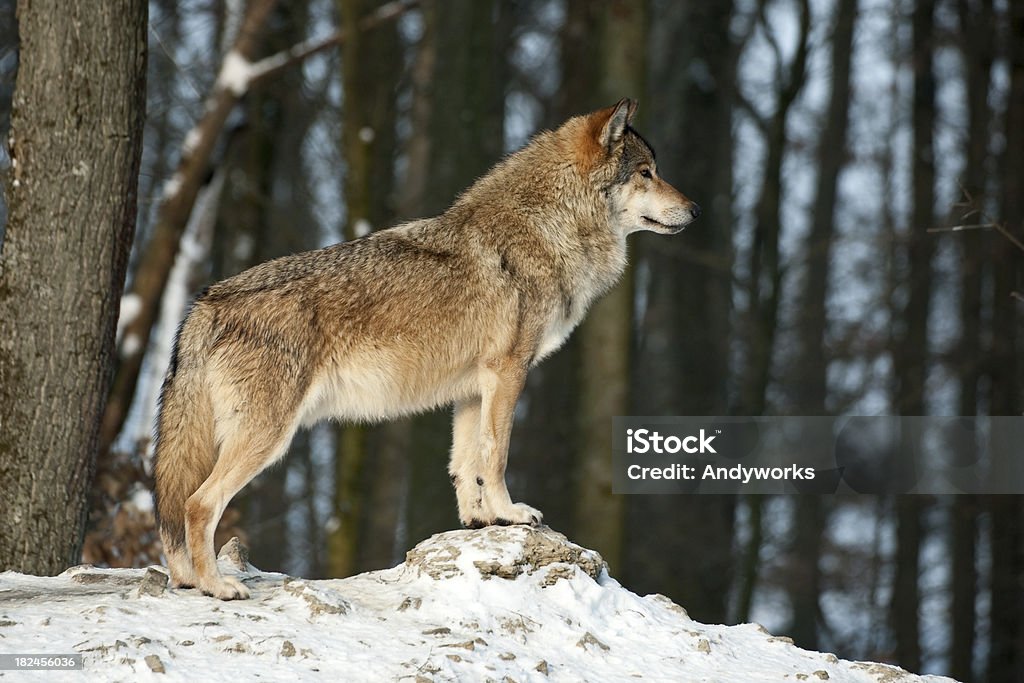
(441,631)
(320,601)
(153,584)
(101,578)
(516,550)
(236,554)
(410,602)
(589,639)
(435,558)
(155,665)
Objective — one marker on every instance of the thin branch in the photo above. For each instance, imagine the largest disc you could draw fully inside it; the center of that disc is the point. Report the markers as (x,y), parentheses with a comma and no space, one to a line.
(274,64)
(987,223)
(769,36)
(958,228)
(1001,229)
(746,105)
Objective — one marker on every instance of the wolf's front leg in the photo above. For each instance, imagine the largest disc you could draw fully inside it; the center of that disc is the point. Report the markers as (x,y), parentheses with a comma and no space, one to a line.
(465,469)
(501,381)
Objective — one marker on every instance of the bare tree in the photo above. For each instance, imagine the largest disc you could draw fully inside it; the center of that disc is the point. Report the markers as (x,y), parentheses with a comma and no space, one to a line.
(460,127)
(76,135)
(682,362)
(370,72)
(811,513)
(976,20)
(606,335)
(910,354)
(1006,651)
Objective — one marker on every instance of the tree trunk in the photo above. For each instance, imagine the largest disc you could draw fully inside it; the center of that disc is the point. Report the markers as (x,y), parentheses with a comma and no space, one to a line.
(546,443)
(1006,652)
(265,160)
(79,108)
(464,124)
(910,357)
(682,354)
(370,66)
(606,335)
(976,23)
(811,518)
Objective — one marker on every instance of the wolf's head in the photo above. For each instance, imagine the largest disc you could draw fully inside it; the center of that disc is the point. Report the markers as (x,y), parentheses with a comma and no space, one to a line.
(623,162)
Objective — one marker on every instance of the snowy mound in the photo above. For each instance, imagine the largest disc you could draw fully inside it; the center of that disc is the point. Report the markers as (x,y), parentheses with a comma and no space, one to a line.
(502,603)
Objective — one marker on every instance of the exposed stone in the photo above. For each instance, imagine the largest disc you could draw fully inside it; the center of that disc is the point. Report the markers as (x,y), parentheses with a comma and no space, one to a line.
(320,601)
(540,548)
(101,578)
(155,665)
(434,559)
(154,583)
(442,631)
(237,554)
(589,639)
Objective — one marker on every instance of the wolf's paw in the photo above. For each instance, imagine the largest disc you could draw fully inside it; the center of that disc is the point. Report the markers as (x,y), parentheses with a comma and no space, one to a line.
(519,513)
(226,588)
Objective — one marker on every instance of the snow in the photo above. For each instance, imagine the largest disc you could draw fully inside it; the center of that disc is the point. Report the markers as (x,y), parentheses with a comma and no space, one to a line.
(172,185)
(362,227)
(131,345)
(131,306)
(494,604)
(191,142)
(235,73)
(142,499)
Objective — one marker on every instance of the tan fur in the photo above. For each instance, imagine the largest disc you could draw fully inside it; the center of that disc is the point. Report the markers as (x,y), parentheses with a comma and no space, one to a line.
(449,310)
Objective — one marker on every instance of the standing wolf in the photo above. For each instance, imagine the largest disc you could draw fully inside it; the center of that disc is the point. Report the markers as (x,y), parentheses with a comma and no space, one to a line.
(452,309)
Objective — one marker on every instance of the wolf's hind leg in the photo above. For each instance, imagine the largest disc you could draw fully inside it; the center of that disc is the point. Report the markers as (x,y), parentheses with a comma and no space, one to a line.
(180,564)
(500,382)
(242,457)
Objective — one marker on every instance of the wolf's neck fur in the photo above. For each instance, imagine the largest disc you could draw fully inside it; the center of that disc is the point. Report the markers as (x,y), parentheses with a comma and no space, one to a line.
(549,206)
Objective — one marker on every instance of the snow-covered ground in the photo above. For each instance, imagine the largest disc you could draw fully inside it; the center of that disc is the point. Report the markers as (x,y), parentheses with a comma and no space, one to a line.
(497,604)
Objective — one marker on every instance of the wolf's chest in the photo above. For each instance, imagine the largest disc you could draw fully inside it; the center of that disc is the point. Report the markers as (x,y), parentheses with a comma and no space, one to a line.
(570,312)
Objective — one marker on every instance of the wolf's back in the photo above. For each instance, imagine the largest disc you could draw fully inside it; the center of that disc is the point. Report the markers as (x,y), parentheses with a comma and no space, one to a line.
(185,448)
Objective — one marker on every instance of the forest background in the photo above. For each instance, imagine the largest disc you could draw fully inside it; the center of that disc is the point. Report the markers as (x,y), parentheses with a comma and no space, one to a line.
(861,169)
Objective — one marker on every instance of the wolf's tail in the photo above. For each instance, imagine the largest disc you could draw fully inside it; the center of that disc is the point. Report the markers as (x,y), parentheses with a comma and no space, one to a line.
(185,444)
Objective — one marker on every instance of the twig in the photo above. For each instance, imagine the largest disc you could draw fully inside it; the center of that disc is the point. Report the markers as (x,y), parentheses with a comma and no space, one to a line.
(1001,229)
(276,63)
(987,224)
(958,228)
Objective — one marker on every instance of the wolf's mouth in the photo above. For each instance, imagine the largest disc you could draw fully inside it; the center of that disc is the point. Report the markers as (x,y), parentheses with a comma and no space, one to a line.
(674,227)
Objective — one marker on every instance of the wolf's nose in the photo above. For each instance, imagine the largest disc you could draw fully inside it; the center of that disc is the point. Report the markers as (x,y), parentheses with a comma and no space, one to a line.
(695,210)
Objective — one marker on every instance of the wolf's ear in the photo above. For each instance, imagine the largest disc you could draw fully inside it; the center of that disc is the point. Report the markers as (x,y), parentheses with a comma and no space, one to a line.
(620,117)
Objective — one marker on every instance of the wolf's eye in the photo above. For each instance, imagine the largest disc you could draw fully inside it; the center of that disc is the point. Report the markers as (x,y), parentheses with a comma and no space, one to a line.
(646,173)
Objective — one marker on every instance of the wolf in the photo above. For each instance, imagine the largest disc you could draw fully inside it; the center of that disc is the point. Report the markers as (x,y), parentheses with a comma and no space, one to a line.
(451,310)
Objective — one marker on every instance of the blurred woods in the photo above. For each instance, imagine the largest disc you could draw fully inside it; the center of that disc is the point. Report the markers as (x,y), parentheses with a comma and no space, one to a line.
(832,145)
